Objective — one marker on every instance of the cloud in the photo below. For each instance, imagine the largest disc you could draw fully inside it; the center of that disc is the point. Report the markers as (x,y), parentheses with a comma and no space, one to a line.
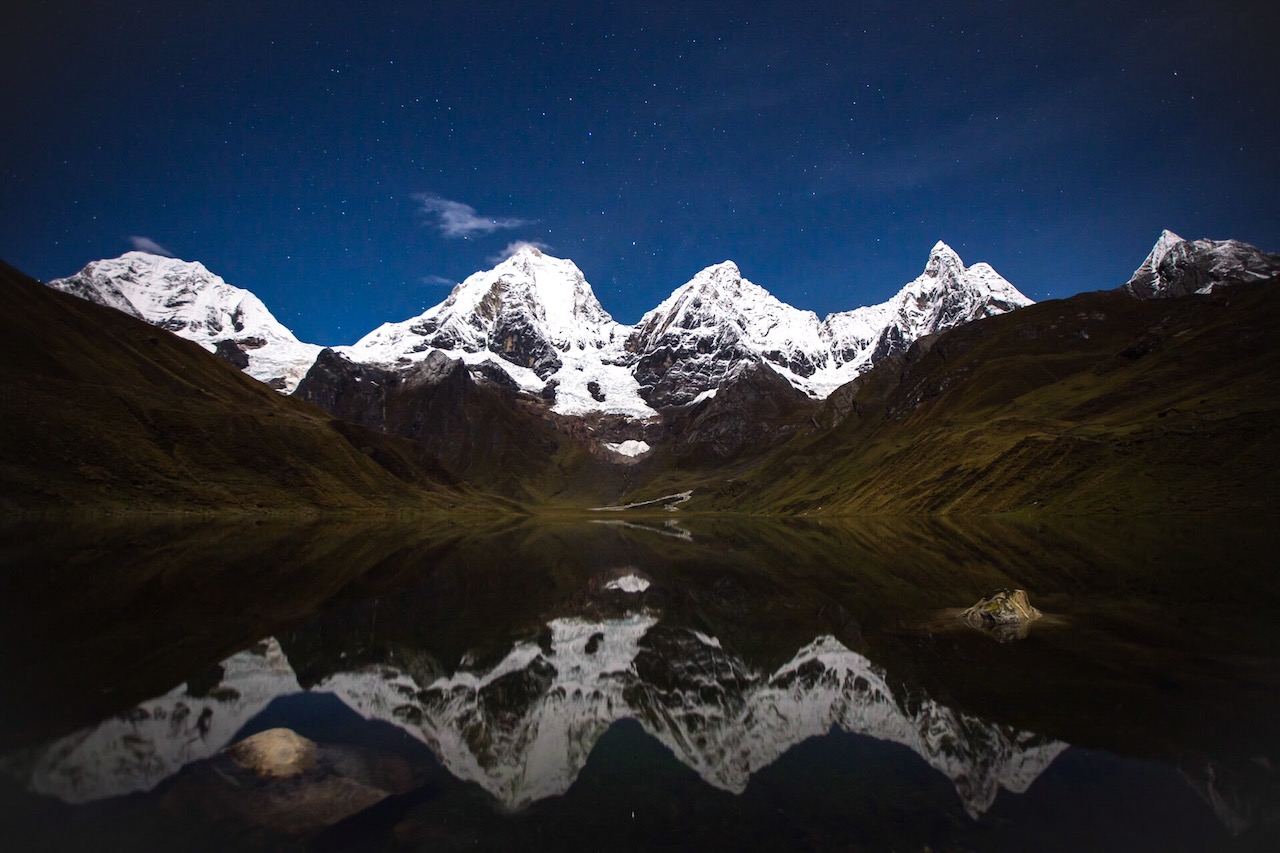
(515,246)
(455,219)
(438,280)
(146,244)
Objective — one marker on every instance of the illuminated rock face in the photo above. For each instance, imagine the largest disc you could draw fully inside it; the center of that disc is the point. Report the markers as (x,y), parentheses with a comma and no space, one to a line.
(1177,267)
(1005,615)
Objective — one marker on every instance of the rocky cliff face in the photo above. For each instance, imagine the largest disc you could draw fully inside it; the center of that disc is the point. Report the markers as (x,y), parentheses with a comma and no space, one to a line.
(469,417)
(753,409)
(1177,267)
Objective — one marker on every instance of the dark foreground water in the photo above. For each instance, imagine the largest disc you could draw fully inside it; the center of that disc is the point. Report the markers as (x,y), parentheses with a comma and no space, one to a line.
(712,684)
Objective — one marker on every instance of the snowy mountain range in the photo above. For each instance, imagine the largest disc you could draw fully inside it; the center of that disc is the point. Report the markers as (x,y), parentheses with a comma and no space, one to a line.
(523,729)
(537,319)
(718,321)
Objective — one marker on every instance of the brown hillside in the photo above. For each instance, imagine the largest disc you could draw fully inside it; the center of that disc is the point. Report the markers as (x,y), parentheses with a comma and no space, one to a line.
(101,411)
(1097,403)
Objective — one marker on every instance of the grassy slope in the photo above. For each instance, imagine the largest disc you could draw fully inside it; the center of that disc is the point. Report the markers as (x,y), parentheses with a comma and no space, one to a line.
(1098,403)
(101,411)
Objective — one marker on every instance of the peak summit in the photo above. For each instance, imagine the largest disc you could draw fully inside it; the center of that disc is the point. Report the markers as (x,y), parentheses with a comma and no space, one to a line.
(185,298)
(1177,267)
(943,259)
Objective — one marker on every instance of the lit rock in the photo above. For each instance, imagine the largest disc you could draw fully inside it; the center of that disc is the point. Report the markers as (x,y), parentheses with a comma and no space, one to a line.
(1005,615)
(275,752)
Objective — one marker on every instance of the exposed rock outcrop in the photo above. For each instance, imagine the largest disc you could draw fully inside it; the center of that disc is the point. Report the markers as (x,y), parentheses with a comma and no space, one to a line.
(1005,615)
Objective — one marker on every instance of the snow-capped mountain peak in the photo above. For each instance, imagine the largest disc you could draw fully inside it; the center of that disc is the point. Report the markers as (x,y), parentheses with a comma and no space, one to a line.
(942,260)
(718,321)
(1177,267)
(537,318)
(187,299)
(1145,274)
(551,293)
(719,298)
(711,326)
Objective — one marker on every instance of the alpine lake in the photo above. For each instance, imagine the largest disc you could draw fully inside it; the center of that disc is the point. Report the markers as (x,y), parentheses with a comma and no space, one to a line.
(638,682)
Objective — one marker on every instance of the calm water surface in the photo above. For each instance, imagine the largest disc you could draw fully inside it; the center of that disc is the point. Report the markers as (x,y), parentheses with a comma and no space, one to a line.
(706,684)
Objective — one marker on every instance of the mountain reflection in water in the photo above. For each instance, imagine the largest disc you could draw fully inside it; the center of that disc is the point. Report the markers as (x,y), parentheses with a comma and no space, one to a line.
(519,659)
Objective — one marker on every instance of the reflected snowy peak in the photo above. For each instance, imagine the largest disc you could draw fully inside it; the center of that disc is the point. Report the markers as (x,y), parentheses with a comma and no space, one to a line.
(523,730)
(138,750)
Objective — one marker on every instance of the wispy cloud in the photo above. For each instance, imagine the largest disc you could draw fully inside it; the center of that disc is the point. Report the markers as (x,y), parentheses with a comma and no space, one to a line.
(515,246)
(146,244)
(438,281)
(455,219)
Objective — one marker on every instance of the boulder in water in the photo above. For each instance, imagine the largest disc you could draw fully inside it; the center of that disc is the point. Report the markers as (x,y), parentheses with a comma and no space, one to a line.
(1005,615)
(275,752)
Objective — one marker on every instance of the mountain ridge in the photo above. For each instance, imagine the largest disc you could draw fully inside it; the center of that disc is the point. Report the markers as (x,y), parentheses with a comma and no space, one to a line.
(101,410)
(1069,401)
(537,318)
(1177,267)
(184,297)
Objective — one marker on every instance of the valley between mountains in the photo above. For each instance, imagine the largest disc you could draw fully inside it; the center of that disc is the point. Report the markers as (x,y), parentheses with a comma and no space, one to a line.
(145,383)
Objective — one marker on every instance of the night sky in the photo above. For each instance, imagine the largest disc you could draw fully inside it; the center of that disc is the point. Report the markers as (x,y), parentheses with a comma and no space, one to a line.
(349,161)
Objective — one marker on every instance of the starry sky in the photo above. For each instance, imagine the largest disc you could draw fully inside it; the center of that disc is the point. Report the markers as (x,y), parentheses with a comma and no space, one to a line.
(348,162)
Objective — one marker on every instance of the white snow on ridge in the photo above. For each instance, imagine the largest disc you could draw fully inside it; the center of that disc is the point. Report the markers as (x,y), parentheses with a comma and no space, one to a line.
(187,299)
(537,318)
(817,356)
(531,296)
(1177,267)
(628,584)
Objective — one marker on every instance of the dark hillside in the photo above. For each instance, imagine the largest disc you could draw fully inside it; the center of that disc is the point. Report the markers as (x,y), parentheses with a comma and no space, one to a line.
(105,412)
(1097,403)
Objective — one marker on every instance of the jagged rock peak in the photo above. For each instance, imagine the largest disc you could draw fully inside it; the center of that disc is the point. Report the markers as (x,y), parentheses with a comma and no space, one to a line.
(548,295)
(1177,267)
(1144,276)
(942,258)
